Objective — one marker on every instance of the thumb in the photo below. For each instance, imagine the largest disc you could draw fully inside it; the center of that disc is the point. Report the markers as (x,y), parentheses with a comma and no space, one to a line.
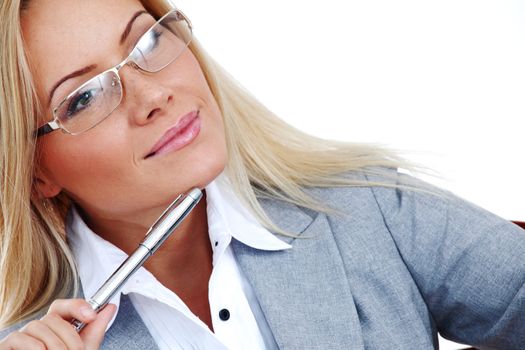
(93,333)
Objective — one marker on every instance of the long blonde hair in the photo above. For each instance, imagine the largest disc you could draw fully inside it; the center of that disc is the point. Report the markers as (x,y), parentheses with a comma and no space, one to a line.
(266,158)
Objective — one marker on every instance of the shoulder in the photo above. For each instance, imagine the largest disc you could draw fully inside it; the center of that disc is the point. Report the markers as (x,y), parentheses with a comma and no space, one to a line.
(387,190)
(378,186)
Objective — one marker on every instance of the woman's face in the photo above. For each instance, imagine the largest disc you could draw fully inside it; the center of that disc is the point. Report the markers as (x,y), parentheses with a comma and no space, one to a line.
(105,170)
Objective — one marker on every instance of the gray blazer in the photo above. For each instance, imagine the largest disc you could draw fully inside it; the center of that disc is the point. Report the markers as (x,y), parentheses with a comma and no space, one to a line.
(400,267)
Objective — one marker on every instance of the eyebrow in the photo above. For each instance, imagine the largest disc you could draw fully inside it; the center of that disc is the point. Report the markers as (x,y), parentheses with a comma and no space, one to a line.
(69,76)
(130,24)
(91,67)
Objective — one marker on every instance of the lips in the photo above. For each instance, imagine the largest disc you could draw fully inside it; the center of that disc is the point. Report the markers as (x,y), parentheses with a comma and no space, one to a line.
(172,133)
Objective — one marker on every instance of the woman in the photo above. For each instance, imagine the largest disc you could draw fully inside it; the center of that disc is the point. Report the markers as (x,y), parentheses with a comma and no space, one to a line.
(366,257)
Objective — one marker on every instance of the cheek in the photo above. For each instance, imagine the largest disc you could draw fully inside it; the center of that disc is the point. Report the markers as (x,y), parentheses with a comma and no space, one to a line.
(79,164)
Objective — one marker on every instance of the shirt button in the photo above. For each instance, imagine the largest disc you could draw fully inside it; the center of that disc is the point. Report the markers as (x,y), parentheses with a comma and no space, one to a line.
(224,314)
(216,243)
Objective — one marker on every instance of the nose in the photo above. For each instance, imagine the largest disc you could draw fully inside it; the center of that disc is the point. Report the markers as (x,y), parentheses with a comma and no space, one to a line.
(145,97)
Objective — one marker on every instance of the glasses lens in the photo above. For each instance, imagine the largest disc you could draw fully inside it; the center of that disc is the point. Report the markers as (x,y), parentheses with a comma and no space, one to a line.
(163,43)
(90,104)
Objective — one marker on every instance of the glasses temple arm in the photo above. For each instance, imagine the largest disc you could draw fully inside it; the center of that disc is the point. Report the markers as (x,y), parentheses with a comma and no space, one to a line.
(46,129)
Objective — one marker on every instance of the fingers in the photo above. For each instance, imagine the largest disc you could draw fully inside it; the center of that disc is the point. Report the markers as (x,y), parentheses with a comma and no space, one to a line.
(93,333)
(63,329)
(54,331)
(19,341)
(39,330)
(73,308)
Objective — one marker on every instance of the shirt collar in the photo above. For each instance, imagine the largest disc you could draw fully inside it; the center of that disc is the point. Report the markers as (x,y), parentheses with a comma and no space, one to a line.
(227,214)
(97,258)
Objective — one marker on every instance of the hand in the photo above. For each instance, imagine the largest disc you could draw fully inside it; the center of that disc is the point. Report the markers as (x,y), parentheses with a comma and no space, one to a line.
(55,332)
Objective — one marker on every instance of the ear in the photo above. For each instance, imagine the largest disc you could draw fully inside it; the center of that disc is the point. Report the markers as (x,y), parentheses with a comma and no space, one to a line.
(45,186)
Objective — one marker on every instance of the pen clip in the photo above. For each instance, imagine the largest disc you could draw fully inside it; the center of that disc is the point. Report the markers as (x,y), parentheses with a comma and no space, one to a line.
(167,210)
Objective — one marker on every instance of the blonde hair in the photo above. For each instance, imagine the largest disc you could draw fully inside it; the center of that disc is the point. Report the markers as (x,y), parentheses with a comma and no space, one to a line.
(266,158)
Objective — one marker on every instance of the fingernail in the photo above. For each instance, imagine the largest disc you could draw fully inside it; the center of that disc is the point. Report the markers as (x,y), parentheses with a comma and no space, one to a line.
(87,312)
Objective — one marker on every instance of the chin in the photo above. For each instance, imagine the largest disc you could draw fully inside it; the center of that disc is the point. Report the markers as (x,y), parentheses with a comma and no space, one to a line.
(202,169)
(210,173)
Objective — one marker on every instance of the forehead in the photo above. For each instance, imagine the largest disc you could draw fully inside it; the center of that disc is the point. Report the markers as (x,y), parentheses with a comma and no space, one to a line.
(62,36)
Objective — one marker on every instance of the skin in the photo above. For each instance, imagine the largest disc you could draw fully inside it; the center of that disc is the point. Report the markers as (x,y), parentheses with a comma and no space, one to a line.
(104,170)
(53,332)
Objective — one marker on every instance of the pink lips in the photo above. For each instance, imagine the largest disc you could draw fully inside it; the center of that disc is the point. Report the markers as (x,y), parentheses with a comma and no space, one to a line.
(178,136)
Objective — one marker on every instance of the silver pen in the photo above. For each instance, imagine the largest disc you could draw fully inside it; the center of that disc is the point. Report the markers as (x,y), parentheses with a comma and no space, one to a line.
(156,235)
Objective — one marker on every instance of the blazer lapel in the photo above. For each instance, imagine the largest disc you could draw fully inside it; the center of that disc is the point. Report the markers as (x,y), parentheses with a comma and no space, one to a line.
(128,331)
(303,291)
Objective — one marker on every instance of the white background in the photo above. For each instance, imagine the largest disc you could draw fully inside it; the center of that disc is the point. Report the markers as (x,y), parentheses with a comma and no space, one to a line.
(444,81)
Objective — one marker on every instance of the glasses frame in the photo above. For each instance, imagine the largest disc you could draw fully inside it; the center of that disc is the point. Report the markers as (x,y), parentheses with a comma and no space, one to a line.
(55,124)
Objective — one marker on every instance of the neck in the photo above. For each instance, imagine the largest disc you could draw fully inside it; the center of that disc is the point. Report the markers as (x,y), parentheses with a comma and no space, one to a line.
(183,263)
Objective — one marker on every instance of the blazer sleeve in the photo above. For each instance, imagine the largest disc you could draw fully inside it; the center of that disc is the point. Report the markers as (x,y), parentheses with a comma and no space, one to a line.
(468,263)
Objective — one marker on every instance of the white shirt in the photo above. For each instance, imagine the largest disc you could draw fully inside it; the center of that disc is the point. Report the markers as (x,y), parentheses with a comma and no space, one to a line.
(175,326)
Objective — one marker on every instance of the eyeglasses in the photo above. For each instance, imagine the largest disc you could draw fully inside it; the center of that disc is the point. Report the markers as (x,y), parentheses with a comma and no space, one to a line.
(97,98)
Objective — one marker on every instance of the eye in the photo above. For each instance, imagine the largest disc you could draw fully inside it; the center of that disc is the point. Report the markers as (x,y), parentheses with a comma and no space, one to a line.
(150,41)
(80,102)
